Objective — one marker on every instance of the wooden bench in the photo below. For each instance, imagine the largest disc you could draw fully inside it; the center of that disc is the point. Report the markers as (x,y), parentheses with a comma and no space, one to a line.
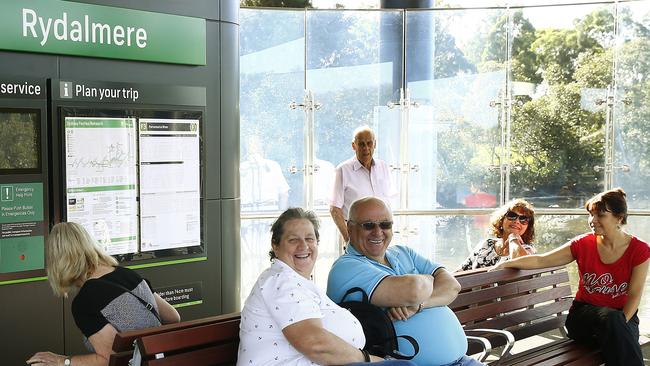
(208,341)
(525,303)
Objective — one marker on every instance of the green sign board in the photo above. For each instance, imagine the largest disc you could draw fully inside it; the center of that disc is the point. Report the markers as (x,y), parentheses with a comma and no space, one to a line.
(20,202)
(69,28)
(21,227)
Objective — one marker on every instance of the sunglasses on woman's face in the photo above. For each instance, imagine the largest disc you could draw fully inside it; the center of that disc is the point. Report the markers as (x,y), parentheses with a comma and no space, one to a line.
(512,216)
(371,225)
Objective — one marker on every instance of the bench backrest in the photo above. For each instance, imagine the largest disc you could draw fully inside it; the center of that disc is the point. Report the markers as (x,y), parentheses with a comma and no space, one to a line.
(524,302)
(211,344)
(210,339)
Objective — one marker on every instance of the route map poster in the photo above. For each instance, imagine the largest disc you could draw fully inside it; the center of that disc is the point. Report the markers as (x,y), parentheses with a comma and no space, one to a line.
(170,188)
(101,180)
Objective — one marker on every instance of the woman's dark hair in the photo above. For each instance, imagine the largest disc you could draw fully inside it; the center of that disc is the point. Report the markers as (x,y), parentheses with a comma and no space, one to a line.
(496,220)
(293,213)
(610,201)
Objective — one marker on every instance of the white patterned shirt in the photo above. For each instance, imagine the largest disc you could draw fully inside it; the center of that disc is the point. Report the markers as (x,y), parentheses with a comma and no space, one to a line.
(282,297)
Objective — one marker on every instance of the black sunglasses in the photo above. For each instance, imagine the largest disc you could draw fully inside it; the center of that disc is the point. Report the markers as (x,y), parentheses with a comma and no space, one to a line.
(512,216)
(371,225)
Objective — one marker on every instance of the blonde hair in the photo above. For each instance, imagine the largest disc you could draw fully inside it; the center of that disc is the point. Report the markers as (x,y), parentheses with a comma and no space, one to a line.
(72,255)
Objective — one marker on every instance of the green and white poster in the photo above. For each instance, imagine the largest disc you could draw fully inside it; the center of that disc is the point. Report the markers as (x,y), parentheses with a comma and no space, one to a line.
(101,180)
(21,227)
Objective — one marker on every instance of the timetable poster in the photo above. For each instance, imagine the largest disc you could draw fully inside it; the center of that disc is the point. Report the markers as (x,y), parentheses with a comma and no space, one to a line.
(101,180)
(170,205)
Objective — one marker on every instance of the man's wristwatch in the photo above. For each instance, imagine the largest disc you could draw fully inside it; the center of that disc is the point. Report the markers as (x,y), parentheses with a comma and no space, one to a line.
(67,361)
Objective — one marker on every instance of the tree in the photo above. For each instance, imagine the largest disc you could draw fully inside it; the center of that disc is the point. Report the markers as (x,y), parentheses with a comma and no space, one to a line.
(490,45)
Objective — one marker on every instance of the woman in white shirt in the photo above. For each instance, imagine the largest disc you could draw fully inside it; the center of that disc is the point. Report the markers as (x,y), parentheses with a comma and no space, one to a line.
(286,319)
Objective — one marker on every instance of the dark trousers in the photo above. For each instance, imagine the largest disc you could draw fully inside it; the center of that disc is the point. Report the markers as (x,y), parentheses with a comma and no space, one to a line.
(606,327)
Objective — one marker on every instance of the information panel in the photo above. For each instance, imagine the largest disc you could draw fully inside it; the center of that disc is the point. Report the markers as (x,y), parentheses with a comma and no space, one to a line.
(170,206)
(21,227)
(101,179)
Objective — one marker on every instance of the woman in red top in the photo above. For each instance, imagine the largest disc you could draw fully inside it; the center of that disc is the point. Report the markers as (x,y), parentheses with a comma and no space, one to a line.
(613,266)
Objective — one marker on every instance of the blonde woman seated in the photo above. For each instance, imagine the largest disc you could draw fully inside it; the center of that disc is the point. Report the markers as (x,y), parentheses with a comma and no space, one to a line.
(513,229)
(286,319)
(110,298)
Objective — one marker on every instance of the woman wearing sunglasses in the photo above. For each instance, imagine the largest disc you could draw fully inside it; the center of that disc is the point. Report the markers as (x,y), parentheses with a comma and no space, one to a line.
(512,227)
(613,266)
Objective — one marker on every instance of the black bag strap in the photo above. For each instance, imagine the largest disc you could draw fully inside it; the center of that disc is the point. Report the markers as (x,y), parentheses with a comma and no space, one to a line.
(364,295)
(399,355)
(146,304)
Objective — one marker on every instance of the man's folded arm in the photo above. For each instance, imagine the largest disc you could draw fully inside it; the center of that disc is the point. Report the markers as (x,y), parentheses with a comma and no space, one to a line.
(438,289)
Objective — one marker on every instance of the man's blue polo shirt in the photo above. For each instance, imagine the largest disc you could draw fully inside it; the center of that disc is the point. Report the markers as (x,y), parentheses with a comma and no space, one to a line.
(437,330)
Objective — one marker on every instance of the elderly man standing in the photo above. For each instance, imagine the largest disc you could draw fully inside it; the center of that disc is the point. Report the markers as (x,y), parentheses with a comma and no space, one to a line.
(414,290)
(359,176)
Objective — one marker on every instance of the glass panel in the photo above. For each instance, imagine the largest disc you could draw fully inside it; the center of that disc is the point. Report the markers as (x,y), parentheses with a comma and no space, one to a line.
(327,250)
(255,247)
(272,74)
(640,227)
(353,67)
(454,135)
(447,240)
(561,67)
(631,108)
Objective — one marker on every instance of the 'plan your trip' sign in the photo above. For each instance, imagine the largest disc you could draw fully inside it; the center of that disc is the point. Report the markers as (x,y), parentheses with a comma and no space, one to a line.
(63,27)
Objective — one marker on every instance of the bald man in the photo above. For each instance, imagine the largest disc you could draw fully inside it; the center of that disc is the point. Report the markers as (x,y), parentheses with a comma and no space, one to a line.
(360,176)
(414,290)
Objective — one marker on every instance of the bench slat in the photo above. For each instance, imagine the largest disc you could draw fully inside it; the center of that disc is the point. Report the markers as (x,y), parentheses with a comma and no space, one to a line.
(483,278)
(573,353)
(511,321)
(223,354)
(124,340)
(529,353)
(120,358)
(588,360)
(191,337)
(522,332)
(540,353)
(515,303)
(513,288)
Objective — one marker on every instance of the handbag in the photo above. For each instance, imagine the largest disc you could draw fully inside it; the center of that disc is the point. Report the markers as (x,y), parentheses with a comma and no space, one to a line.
(381,339)
(145,303)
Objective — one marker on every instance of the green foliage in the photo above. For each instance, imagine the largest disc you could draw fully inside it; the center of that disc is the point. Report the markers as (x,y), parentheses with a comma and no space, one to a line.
(594,70)
(557,144)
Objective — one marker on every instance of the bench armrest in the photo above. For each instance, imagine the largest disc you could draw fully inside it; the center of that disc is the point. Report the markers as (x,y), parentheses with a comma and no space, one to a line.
(510,339)
(487,346)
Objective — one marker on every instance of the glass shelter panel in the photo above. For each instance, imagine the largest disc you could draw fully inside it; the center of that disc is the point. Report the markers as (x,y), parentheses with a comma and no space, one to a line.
(631,163)
(453,126)
(444,239)
(272,76)
(354,62)
(561,67)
